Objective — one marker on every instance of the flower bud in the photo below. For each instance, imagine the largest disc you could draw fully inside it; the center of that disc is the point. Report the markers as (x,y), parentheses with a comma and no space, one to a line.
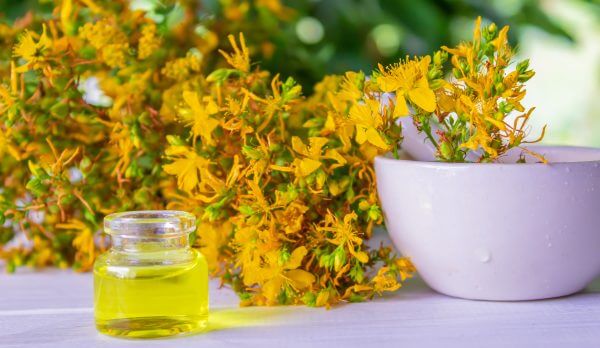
(523,66)
(526,76)
(440,57)
(59,110)
(446,150)
(489,32)
(499,87)
(434,74)
(457,73)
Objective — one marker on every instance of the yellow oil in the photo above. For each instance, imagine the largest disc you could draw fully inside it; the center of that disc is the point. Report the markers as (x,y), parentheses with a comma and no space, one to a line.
(145,301)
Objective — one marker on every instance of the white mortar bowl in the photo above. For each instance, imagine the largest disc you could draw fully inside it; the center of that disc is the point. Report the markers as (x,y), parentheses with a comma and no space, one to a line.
(499,231)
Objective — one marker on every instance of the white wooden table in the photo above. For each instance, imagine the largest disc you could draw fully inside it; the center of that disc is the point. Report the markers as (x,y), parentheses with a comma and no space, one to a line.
(54,309)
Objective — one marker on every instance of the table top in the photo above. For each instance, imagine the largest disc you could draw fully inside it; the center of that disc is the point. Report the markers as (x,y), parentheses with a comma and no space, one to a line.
(54,309)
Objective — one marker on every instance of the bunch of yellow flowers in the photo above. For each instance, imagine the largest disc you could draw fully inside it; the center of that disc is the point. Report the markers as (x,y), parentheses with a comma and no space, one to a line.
(105,108)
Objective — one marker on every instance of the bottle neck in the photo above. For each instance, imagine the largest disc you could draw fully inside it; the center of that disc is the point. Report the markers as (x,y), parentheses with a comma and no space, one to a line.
(138,244)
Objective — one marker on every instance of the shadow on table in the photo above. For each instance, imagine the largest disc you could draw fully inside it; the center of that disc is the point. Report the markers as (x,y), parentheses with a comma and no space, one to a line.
(66,329)
(416,289)
(232,318)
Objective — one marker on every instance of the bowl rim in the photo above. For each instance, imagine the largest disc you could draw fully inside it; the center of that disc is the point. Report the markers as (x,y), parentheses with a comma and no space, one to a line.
(589,149)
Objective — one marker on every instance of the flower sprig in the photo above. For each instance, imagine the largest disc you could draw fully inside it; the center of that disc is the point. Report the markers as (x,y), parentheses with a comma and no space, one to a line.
(474,116)
(284,186)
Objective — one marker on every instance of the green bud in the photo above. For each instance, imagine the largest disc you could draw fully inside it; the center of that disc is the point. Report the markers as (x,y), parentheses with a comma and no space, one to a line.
(457,73)
(60,110)
(374,213)
(339,259)
(434,73)
(36,187)
(440,57)
(357,273)
(446,150)
(220,75)
(246,210)
(490,32)
(435,84)
(290,90)
(284,257)
(251,153)
(523,66)
(506,107)
(274,147)
(130,172)
(526,76)
(499,87)
(309,299)
(175,140)
(85,164)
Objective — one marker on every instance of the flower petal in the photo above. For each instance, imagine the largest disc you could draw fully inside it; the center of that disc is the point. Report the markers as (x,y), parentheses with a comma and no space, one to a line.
(272,288)
(299,146)
(191,98)
(296,258)
(308,166)
(388,83)
(361,134)
(400,109)
(375,138)
(301,279)
(423,97)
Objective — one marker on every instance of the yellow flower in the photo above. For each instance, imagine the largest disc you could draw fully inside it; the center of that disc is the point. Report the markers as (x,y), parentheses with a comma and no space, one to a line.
(351,86)
(384,281)
(181,68)
(405,268)
(240,58)
(115,55)
(345,234)
(187,167)
(213,237)
(34,53)
(199,116)
(408,79)
(367,120)
(83,242)
(110,42)
(292,217)
(102,33)
(278,274)
(149,42)
(312,155)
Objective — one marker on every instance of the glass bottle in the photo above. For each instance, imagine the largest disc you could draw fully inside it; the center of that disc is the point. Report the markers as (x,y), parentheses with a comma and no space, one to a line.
(150,283)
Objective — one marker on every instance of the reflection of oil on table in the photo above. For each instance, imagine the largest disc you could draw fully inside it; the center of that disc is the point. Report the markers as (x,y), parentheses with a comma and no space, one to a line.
(54,309)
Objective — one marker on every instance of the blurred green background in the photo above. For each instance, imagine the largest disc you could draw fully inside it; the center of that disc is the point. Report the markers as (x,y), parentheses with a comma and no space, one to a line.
(319,37)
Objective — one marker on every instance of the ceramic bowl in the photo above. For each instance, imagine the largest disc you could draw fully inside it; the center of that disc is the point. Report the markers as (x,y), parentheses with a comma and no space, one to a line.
(500,231)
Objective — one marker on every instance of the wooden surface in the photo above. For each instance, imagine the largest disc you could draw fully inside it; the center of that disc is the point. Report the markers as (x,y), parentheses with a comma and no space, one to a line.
(54,309)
